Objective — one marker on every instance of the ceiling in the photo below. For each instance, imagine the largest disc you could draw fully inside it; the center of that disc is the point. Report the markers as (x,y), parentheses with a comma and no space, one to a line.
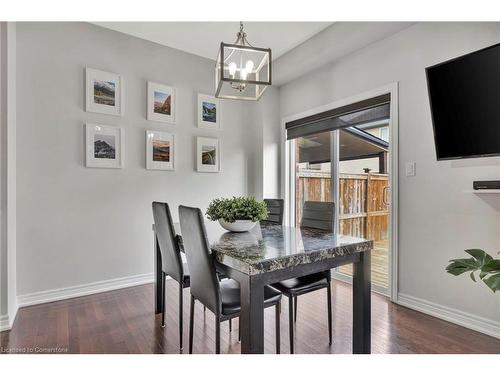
(203,38)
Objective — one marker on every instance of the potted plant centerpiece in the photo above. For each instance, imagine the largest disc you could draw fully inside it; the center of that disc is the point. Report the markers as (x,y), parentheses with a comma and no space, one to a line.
(237,214)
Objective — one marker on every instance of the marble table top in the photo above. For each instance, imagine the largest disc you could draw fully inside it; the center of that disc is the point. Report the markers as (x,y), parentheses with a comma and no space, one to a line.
(269,247)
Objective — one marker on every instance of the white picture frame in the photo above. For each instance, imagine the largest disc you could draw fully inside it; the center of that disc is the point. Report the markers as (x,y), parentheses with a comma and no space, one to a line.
(104,146)
(162,156)
(159,93)
(206,119)
(204,161)
(109,99)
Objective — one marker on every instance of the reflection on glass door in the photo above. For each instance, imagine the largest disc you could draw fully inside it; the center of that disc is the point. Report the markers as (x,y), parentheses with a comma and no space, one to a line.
(363,192)
(313,178)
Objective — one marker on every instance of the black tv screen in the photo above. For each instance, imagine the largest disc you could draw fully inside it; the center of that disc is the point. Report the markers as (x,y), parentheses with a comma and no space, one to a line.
(464,95)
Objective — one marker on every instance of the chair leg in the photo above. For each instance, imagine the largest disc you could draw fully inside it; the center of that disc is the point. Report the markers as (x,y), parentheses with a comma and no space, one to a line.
(217,335)
(295,308)
(191,325)
(163,298)
(290,324)
(278,334)
(329,299)
(230,325)
(181,317)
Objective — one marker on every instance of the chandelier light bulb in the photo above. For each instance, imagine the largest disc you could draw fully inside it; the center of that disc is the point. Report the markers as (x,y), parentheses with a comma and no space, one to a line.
(244,73)
(249,66)
(232,69)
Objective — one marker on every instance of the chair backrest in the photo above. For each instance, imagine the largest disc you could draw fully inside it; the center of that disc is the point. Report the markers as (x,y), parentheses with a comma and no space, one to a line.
(274,211)
(204,281)
(318,215)
(167,241)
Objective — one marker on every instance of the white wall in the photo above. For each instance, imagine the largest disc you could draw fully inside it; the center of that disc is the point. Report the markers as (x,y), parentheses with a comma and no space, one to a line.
(78,225)
(263,120)
(438,217)
(8,291)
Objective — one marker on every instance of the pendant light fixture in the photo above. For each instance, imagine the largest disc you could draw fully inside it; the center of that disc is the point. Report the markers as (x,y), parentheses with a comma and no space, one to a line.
(242,71)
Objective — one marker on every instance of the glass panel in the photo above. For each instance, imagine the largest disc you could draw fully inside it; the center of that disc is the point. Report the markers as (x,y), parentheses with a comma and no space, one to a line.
(363,208)
(312,171)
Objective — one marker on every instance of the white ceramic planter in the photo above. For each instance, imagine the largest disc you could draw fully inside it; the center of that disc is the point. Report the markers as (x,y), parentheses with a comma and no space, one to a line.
(238,225)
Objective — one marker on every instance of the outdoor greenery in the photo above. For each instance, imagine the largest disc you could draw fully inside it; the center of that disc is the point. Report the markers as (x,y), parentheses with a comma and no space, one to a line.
(237,208)
(489,268)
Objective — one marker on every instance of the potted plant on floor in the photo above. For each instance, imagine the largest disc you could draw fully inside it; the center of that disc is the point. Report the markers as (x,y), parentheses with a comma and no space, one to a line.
(489,268)
(237,214)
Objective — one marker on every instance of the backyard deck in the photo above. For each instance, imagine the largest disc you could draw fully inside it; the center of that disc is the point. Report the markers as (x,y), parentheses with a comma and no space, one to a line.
(380,264)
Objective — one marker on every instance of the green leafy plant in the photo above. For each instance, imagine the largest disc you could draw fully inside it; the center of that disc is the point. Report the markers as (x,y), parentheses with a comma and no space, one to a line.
(489,268)
(237,208)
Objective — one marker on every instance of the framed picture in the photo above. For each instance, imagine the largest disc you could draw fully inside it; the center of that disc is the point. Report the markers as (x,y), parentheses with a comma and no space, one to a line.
(207,154)
(208,112)
(160,150)
(161,103)
(104,146)
(103,92)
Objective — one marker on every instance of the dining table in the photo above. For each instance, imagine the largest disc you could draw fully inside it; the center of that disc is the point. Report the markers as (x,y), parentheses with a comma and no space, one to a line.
(269,253)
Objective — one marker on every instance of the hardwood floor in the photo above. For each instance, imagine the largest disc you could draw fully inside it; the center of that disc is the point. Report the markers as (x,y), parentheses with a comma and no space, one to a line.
(122,321)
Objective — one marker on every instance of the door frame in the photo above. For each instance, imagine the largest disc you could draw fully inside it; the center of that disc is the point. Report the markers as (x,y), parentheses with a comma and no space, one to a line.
(288,175)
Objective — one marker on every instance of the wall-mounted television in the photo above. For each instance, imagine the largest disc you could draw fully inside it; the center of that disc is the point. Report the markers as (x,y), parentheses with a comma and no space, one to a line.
(464,95)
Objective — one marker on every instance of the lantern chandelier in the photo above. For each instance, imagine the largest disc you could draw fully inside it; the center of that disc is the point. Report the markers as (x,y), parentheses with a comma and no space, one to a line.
(242,71)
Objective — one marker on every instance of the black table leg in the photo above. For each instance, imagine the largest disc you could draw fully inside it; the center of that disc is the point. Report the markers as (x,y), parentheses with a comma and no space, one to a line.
(252,315)
(361,299)
(158,277)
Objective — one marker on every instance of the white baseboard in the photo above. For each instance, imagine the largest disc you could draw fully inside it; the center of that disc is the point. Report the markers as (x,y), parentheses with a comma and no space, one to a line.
(83,290)
(474,322)
(4,323)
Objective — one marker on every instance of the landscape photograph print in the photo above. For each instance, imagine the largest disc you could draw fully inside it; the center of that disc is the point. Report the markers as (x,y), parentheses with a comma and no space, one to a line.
(208,112)
(161,150)
(104,92)
(160,103)
(208,154)
(104,146)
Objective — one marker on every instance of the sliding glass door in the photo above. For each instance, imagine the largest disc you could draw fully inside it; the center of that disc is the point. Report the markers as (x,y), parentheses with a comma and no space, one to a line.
(348,165)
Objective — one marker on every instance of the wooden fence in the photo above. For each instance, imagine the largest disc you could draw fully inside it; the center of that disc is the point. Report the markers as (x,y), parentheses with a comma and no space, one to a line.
(363,212)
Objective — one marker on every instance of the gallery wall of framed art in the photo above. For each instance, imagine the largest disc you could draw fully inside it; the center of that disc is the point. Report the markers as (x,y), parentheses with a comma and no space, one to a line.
(104,145)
